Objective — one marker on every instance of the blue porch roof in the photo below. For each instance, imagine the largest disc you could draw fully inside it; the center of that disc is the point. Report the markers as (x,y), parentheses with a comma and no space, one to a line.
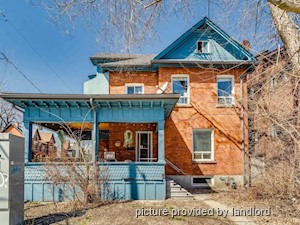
(68,107)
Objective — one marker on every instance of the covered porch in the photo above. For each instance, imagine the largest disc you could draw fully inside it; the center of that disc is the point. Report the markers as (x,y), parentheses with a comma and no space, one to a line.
(125,134)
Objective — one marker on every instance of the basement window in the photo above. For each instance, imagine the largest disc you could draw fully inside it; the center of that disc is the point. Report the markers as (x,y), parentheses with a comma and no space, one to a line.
(203,47)
(202,181)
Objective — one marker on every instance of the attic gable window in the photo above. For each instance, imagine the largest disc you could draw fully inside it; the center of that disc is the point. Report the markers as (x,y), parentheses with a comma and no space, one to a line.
(203,46)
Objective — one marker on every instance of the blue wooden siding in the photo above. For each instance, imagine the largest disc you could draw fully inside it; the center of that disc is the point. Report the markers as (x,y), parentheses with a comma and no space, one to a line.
(220,49)
(125,181)
(222,46)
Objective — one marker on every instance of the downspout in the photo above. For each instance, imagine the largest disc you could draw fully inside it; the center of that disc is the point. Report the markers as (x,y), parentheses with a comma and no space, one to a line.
(94,130)
(243,128)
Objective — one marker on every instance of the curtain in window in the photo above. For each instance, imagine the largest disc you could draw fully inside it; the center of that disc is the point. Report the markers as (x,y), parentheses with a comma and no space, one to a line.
(202,141)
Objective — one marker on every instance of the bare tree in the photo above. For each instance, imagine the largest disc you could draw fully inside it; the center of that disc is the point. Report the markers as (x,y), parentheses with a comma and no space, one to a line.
(83,178)
(8,113)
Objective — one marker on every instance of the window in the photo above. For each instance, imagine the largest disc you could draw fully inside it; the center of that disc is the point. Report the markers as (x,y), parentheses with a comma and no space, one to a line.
(202,181)
(277,79)
(133,89)
(203,145)
(180,85)
(203,46)
(225,90)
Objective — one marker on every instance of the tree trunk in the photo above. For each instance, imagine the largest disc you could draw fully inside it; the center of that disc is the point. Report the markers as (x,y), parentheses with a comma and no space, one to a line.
(287,5)
(289,34)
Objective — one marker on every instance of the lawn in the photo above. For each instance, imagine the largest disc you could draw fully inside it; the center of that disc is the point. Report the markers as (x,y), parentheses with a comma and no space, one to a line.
(122,213)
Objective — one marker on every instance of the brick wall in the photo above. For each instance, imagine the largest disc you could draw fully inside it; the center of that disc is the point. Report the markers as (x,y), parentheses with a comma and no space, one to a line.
(117,81)
(202,113)
(116,133)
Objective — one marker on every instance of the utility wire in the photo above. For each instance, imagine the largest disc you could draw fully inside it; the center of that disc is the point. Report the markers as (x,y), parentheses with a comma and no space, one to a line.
(23,74)
(5,19)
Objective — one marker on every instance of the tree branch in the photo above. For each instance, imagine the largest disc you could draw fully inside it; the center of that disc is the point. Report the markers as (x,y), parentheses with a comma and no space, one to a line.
(287,5)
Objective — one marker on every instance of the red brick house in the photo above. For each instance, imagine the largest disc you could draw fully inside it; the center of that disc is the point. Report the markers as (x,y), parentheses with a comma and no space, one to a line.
(13,128)
(203,137)
(43,146)
(174,115)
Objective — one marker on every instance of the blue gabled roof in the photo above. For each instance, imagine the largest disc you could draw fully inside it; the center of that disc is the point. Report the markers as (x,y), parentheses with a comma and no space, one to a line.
(225,48)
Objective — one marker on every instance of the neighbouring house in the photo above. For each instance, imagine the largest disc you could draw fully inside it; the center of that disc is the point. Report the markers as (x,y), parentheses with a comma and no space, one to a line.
(13,128)
(68,150)
(271,116)
(43,146)
(174,115)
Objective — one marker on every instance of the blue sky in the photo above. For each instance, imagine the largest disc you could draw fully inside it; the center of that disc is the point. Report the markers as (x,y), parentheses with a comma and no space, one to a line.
(68,55)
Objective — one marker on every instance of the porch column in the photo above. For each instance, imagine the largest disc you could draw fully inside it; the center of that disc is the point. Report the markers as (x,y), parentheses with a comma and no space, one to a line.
(161,141)
(27,133)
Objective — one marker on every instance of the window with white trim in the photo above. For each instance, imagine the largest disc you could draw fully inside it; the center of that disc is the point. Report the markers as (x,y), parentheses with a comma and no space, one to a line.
(180,85)
(203,46)
(225,90)
(133,89)
(203,149)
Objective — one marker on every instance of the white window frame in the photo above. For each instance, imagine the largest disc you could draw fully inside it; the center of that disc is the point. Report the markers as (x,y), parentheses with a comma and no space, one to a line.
(134,85)
(212,158)
(208,46)
(176,76)
(233,90)
(212,183)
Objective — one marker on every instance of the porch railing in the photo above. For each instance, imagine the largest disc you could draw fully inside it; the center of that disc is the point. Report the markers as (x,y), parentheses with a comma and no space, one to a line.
(120,180)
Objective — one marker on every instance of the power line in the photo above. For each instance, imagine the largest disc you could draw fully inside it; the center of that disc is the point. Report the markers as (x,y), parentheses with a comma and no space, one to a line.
(36,52)
(23,74)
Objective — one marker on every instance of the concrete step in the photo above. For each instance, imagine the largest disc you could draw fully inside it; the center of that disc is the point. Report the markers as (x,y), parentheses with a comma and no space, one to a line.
(182,197)
(179,191)
(175,191)
(175,188)
(180,194)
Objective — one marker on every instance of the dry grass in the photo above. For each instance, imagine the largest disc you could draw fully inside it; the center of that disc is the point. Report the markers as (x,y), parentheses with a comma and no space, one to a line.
(282,212)
(115,213)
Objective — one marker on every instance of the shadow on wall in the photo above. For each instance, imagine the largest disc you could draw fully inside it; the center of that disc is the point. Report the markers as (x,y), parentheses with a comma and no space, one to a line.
(180,156)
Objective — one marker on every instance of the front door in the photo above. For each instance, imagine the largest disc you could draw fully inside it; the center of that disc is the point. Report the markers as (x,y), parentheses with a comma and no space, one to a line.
(144,146)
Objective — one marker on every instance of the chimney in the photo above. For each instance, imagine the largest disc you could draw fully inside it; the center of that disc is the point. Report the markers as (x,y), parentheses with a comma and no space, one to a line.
(246,44)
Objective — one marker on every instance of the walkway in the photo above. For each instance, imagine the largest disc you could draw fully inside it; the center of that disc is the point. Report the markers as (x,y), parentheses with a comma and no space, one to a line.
(238,220)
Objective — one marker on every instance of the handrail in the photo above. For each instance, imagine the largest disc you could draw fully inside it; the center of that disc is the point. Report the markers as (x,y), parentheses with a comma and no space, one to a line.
(174,167)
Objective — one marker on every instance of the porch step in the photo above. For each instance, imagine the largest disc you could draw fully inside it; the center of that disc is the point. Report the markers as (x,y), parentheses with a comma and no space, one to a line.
(176,191)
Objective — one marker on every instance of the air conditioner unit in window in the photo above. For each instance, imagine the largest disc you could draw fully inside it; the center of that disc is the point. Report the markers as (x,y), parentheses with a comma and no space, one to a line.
(228,100)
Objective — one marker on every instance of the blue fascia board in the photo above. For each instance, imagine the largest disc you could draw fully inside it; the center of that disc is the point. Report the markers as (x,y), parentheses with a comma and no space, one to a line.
(91,76)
